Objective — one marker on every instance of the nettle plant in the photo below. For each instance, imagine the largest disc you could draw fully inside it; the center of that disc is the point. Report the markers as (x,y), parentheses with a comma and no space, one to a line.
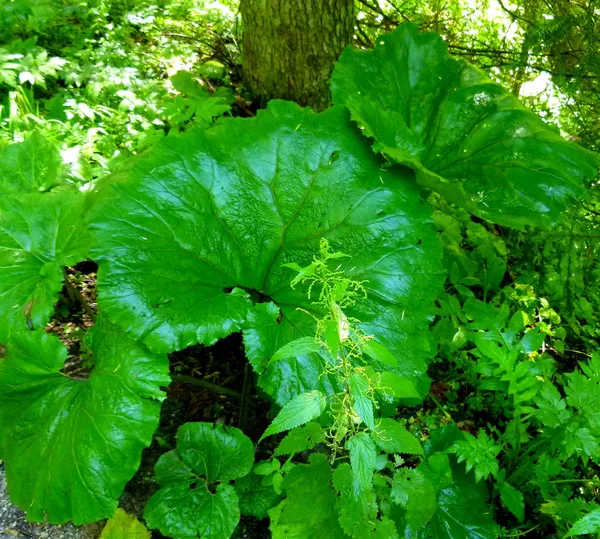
(308,234)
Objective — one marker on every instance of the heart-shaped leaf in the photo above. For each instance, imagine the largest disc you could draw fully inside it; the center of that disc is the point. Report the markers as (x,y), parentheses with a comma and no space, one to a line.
(213,210)
(189,504)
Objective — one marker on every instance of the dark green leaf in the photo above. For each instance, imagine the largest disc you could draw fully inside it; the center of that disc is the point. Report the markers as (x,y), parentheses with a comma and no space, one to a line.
(255,497)
(513,499)
(185,506)
(263,335)
(462,511)
(182,512)
(205,447)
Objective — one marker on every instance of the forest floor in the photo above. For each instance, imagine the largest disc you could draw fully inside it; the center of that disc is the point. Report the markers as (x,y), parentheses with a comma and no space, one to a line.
(213,384)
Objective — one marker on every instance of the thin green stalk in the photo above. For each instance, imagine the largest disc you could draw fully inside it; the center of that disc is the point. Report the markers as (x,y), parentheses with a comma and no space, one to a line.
(595,481)
(442,409)
(243,418)
(206,385)
(520,534)
(525,463)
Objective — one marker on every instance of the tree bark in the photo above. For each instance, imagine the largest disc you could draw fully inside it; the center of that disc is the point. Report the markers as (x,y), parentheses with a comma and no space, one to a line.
(289,47)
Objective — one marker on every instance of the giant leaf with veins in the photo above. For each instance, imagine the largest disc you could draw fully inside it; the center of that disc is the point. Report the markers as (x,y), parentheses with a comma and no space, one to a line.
(216,211)
(465,136)
(85,437)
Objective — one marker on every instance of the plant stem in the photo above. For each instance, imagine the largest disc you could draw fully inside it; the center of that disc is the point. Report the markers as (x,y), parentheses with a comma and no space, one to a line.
(206,385)
(76,295)
(522,533)
(442,409)
(243,417)
(596,481)
(525,463)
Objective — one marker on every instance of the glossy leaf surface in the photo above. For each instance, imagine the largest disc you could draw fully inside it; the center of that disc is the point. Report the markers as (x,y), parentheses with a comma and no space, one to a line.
(213,210)
(255,496)
(70,445)
(465,136)
(462,510)
(190,502)
(38,234)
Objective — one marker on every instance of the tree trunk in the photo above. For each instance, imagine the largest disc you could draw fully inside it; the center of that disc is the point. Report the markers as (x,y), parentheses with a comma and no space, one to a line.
(289,47)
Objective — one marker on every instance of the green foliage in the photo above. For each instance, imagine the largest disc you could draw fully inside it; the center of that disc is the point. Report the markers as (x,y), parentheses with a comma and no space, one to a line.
(479,453)
(31,166)
(298,411)
(197,238)
(87,435)
(412,490)
(96,78)
(195,499)
(466,137)
(257,206)
(39,234)
(307,485)
(587,524)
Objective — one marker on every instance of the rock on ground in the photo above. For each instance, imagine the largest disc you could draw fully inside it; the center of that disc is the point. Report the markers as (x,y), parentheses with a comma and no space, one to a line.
(13,523)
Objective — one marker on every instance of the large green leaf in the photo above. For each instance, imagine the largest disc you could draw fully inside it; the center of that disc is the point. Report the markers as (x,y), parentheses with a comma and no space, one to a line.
(39,233)
(183,512)
(255,495)
(188,504)
(223,208)
(30,166)
(309,511)
(463,511)
(70,445)
(412,490)
(465,136)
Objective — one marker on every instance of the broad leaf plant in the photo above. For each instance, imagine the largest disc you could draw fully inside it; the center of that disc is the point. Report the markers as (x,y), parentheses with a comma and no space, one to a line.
(309,234)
